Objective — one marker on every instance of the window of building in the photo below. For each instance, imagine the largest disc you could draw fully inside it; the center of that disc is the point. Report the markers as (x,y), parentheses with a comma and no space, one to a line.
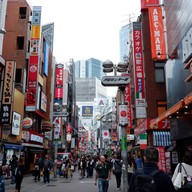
(22,12)
(159,72)
(161,107)
(20,43)
(18,75)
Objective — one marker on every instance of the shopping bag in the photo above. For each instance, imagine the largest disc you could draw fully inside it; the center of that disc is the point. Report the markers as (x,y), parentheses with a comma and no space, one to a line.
(72,168)
(178,181)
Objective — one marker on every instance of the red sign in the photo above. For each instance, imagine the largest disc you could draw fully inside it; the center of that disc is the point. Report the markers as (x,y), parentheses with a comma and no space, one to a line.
(127,97)
(68,128)
(147,3)
(32,82)
(59,75)
(161,163)
(157,33)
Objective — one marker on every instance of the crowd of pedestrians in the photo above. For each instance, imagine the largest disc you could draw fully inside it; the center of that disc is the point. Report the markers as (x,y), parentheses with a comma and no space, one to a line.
(100,168)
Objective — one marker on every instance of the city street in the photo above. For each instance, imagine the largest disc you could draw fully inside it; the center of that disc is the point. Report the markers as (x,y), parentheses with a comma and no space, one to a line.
(60,184)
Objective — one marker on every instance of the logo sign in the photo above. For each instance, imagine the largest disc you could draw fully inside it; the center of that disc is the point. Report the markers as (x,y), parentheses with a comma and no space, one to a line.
(115,80)
(61,114)
(27,123)
(123,119)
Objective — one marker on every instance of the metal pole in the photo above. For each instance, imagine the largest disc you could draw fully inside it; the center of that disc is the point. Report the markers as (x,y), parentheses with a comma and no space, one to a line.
(124,146)
(55,158)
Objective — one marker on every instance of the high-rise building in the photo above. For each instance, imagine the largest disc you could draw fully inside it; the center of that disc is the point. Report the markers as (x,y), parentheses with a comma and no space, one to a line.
(124,41)
(89,68)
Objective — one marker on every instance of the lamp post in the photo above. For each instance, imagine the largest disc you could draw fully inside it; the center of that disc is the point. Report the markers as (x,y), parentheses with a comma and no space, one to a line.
(121,82)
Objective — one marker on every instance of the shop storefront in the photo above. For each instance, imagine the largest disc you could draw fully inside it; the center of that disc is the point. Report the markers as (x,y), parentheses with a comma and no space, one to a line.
(158,137)
(33,144)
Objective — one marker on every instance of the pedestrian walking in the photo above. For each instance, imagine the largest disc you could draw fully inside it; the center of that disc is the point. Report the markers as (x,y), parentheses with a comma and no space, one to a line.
(19,172)
(2,180)
(13,165)
(82,167)
(117,171)
(103,175)
(158,179)
(46,169)
(37,170)
(131,167)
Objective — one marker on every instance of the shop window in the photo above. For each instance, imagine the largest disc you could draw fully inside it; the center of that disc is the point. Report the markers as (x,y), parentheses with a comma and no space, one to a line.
(161,107)
(22,12)
(20,43)
(159,73)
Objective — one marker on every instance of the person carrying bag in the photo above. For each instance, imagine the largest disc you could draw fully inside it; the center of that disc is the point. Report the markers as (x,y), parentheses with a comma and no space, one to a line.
(182,177)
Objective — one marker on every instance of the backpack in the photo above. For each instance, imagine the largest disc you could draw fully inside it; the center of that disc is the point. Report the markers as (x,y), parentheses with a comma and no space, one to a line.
(144,182)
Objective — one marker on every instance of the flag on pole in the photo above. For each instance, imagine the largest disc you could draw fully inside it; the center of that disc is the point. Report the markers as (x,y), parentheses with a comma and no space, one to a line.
(143,141)
(56,124)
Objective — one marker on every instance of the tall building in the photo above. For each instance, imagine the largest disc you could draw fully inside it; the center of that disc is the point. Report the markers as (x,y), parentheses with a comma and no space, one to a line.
(26,78)
(89,68)
(124,36)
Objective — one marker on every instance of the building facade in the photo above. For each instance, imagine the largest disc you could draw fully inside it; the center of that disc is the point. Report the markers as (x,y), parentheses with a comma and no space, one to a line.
(29,59)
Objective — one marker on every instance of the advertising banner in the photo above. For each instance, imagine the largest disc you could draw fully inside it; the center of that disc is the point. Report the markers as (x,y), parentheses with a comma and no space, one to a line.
(7,96)
(123,115)
(32,83)
(87,111)
(127,97)
(158,48)
(138,69)
(16,123)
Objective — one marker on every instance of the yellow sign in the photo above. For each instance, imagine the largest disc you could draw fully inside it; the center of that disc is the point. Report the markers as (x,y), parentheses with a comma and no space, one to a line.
(35,31)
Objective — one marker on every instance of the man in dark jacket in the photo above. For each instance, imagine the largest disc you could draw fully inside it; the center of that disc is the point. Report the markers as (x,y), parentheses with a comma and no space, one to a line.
(162,180)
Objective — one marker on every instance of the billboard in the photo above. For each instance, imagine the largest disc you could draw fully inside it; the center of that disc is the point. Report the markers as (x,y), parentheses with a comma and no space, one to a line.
(87,111)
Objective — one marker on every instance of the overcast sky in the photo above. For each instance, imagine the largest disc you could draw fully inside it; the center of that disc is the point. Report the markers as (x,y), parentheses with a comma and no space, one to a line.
(87,28)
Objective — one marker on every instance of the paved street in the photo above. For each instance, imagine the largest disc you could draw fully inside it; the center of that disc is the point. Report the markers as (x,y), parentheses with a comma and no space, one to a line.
(60,184)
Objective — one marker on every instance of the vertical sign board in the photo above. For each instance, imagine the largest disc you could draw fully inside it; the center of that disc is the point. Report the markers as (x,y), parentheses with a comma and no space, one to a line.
(8,90)
(58,84)
(34,60)
(145,4)
(158,48)
(138,71)
(127,97)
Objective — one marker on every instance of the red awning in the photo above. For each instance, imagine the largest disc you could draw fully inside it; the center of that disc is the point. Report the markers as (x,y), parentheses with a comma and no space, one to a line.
(182,103)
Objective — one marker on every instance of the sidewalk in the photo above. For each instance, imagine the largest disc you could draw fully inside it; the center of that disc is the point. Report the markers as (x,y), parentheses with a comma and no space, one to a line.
(29,185)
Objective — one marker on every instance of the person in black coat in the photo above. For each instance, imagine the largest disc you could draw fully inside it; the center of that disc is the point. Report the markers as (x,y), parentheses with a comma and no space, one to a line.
(162,180)
(19,172)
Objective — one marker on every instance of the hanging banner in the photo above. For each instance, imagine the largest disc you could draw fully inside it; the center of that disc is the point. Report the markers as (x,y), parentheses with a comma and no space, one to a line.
(138,71)
(158,49)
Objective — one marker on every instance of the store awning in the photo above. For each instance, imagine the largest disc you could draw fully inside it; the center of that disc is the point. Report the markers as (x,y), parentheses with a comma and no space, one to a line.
(175,108)
(13,146)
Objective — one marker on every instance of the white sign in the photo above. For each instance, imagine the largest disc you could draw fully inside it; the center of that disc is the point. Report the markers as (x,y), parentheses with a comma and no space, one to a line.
(123,116)
(16,122)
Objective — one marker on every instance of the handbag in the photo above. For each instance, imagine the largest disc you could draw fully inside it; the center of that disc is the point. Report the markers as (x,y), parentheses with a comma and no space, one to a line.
(179,178)
(186,185)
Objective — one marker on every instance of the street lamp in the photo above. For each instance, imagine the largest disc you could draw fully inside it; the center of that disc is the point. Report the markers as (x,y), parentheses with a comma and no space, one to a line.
(121,82)
(2,31)
(109,67)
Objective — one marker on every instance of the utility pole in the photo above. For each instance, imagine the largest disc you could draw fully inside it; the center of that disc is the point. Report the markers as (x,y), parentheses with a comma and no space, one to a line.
(121,82)
(124,144)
